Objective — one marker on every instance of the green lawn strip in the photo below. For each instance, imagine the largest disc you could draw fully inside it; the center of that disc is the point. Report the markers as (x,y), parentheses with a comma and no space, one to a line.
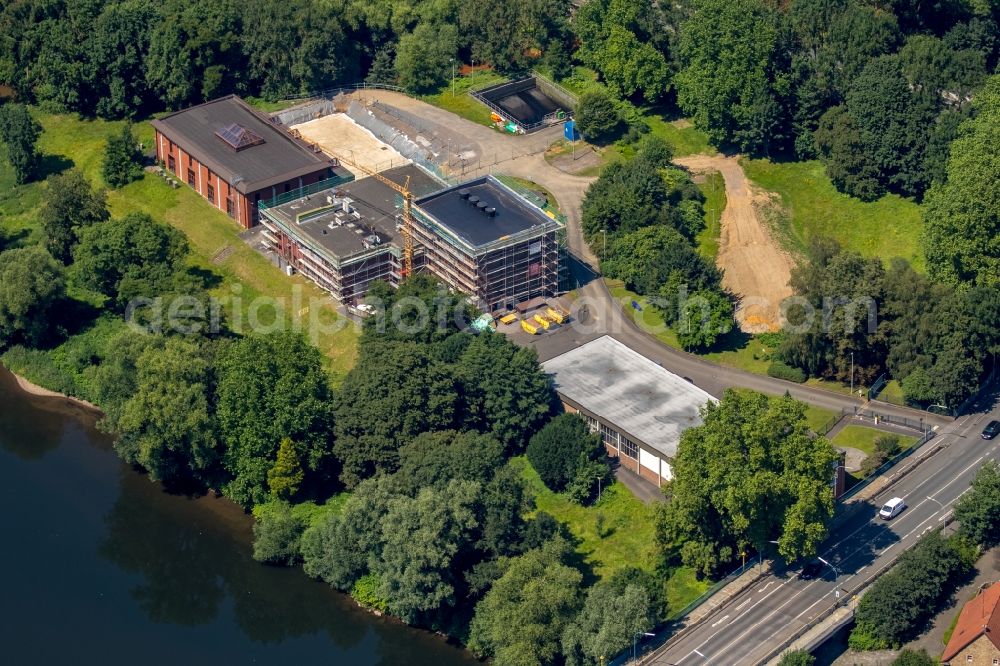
(889,227)
(524,184)
(681,134)
(460,102)
(628,538)
(245,274)
(714,189)
(863,439)
(629,527)
(272,107)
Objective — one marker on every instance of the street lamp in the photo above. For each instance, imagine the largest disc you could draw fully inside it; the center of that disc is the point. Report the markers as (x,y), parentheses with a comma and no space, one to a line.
(452,76)
(636,636)
(836,574)
(852,373)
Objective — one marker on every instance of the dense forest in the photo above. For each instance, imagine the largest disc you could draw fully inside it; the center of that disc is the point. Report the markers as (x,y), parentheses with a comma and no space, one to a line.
(876,89)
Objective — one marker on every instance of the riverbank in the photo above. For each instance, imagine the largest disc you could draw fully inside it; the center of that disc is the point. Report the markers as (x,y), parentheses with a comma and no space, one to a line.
(39,391)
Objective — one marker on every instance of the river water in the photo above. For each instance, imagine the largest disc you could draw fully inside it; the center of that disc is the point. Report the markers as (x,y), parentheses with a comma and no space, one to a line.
(101,566)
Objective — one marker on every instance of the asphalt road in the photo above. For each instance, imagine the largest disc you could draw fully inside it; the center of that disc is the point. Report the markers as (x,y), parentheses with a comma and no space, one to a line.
(752,625)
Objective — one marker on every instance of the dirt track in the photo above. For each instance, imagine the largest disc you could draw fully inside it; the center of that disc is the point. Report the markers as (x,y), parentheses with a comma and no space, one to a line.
(756,268)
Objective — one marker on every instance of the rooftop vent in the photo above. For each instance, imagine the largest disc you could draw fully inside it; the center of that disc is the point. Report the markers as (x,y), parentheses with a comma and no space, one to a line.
(464,193)
(238,137)
(482,206)
(491,211)
(473,200)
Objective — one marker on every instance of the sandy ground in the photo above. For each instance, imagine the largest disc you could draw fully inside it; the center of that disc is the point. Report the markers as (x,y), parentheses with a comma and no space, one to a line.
(338,135)
(35,389)
(756,268)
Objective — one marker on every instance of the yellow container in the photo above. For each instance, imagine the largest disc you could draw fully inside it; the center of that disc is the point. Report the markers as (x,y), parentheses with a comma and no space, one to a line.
(543,321)
(555,315)
(528,327)
(508,319)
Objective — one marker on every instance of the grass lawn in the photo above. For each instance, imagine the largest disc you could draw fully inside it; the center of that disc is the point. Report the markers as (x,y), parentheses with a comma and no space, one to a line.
(242,274)
(628,537)
(714,189)
(271,107)
(461,103)
(889,227)
(892,392)
(525,184)
(681,134)
(863,438)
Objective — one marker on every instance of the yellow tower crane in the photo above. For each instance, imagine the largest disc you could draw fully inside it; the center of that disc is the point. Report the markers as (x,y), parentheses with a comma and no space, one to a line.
(404,190)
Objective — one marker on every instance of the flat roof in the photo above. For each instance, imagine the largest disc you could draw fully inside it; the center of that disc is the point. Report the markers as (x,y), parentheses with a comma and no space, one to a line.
(642,399)
(278,158)
(373,200)
(451,208)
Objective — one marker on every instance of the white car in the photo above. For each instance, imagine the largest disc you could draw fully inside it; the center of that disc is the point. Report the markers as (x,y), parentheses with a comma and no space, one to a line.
(892,508)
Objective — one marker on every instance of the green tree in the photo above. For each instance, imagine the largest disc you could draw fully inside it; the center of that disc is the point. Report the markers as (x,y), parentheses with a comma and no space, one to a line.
(118,48)
(607,624)
(598,117)
(339,547)
(396,391)
(560,449)
(910,657)
(122,159)
(282,376)
(70,205)
(128,257)
(424,57)
(32,284)
(424,538)
(901,601)
(734,80)
(20,132)
(504,391)
(704,318)
(523,617)
(752,473)
(978,511)
(962,216)
(509,35)
(433,459)
(286,475)
(276,534)
(167,426)
(623,41)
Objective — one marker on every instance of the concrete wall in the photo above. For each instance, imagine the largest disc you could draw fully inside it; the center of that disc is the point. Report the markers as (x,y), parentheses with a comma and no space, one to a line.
(305,112)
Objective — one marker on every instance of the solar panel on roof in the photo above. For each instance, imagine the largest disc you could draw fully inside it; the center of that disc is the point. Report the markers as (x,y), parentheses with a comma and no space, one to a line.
(239,137)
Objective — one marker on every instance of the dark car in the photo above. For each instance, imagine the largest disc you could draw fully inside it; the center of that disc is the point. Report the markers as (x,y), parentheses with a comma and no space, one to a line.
(991,430)
(811,570)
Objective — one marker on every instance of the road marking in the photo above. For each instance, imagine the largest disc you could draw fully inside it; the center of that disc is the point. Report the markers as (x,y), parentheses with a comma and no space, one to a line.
(720,620)
(743,604)
(934,500)
(766,586)
(699,653)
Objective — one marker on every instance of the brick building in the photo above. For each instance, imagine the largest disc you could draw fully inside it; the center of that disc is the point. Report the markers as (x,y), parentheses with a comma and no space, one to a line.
(976,638)
(235,157)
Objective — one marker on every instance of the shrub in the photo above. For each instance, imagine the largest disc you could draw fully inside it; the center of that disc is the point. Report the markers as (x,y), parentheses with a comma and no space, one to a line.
(797,658)
(366,593)
(277,533)
(38,367)
(568,457)
(781,370)
(122,159)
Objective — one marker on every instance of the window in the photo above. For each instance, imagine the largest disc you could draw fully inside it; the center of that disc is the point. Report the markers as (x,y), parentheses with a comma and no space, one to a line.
(629,448)
(211,193)
(968,658)
(230,209)
(288,187)
(171,163)
(190,176)
(996,661)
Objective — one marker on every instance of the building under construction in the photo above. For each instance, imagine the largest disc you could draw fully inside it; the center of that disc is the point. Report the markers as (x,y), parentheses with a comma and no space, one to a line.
(480,237)
(484,239)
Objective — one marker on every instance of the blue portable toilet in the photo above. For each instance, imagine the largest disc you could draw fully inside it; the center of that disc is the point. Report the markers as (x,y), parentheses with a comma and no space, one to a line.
(569,131)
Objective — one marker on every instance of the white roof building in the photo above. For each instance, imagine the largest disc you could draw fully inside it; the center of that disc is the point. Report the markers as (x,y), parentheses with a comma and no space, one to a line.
(639,407)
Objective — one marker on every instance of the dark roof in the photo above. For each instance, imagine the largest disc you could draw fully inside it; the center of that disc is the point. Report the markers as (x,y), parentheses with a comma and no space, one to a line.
(240,144)
(451,208)
(375,201)
(979,617)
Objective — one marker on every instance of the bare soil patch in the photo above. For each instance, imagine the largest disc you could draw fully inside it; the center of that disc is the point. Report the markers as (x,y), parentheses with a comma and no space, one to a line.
(337,134)
(755,266)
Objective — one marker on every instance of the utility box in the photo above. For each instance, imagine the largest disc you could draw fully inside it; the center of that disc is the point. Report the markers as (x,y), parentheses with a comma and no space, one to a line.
(569,131)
